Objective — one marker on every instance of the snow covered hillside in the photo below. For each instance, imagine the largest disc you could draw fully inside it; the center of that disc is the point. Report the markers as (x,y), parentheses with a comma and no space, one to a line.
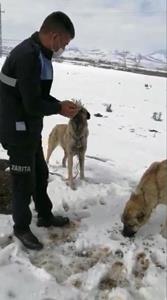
(156,61)
(114,59)
(90,259)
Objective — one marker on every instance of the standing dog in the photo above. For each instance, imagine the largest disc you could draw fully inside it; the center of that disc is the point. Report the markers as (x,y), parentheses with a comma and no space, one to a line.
(72,137)
(151,191)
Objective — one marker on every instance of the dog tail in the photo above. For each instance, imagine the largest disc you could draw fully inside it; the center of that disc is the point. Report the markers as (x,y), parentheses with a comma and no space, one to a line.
(52,143)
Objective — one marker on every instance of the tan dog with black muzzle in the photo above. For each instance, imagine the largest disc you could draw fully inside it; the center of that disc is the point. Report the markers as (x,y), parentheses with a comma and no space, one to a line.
(151,191)
(72,137)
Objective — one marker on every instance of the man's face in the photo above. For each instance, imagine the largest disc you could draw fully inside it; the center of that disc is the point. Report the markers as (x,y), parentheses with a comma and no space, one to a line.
(59,41)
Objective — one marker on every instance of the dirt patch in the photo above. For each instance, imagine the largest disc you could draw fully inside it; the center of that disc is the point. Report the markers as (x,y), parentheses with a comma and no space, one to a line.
(5,188)
(141,265)
(116,276)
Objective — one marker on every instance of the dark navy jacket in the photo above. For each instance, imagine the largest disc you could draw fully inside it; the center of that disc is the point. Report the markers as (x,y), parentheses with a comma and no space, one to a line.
(25,84)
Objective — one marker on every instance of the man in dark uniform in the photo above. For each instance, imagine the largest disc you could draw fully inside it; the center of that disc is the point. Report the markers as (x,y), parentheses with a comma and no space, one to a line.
(25,83)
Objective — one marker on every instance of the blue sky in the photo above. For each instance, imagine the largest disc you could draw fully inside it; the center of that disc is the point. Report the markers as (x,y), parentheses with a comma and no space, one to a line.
(133,25)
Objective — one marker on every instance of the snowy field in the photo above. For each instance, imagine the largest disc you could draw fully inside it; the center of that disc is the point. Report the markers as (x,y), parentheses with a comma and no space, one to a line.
(91,260)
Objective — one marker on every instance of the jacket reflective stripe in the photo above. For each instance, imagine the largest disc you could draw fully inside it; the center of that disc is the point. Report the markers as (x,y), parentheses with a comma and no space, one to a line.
(8,80)
(46,72)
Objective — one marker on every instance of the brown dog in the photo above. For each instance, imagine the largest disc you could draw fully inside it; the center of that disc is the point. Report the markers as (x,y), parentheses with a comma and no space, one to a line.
(72,137)
(151,191)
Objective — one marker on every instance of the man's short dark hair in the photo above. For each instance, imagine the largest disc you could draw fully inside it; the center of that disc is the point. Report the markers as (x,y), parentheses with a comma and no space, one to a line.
(58,21)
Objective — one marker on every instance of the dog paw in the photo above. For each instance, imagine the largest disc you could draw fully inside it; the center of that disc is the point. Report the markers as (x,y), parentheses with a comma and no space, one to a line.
(72,186)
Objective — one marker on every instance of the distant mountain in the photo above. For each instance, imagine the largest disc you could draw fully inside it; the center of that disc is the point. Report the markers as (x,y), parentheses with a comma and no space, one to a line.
(160,55)
(116,59)
(154,61)
(162,52)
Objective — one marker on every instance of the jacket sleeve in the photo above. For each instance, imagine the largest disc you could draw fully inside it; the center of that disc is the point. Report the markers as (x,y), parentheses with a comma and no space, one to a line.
(28,83)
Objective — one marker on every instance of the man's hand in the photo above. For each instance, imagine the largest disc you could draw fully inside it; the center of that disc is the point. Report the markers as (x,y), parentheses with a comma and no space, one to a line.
(68,109)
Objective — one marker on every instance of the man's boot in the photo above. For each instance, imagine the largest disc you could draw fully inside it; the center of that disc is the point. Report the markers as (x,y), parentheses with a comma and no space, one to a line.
(57,221)
(28,239)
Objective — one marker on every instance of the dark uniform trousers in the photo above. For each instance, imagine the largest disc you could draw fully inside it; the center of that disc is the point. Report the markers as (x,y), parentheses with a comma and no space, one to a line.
(29,174)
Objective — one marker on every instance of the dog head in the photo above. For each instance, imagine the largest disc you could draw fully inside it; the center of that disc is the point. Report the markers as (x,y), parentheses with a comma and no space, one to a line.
(83,113)
(135,214)
(82,116)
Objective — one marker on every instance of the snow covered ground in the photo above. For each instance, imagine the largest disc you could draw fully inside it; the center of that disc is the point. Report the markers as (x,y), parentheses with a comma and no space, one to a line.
(91,260)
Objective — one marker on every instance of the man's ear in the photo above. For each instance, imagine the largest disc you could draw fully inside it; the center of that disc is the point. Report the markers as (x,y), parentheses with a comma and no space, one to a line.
(88,115)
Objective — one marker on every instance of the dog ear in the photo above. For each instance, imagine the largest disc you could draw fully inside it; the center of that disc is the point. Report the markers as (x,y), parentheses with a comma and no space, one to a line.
(88,115)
